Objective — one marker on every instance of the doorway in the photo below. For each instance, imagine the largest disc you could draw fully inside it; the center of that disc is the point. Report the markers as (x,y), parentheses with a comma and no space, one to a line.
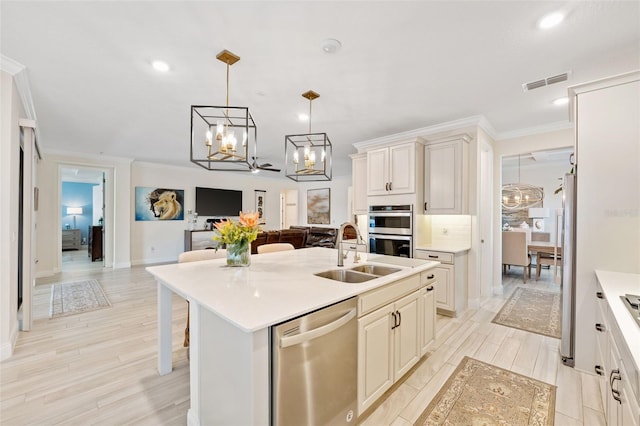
(531,202)
(82,203)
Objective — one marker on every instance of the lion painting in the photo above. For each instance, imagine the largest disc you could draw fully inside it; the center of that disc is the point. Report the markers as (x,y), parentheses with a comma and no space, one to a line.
(159,203)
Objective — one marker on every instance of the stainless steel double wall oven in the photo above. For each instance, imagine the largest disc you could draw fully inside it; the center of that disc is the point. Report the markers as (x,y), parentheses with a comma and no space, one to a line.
(391,230)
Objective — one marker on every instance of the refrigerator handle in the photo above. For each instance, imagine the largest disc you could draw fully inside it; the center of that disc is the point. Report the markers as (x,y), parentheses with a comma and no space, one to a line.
(317,332)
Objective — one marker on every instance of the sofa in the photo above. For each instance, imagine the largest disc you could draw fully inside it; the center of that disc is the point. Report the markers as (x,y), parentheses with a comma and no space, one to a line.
(301,236)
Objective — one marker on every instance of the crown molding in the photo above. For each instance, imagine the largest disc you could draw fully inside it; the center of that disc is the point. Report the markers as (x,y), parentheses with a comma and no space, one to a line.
(10,66)
(545,128)
(476,120)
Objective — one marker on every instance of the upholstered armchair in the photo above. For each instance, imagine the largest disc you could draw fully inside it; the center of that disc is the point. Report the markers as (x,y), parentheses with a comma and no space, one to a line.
(515,252)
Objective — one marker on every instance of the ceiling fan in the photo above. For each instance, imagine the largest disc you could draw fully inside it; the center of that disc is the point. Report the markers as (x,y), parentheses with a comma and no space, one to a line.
(255,167)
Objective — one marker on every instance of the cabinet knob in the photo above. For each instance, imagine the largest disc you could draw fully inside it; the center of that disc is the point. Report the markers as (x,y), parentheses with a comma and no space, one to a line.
(599,370)
(600,327)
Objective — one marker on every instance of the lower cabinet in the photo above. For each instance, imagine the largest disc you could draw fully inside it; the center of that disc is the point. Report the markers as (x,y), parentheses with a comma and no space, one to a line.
(451,275)
(615,369)
(392,338)
(388,346)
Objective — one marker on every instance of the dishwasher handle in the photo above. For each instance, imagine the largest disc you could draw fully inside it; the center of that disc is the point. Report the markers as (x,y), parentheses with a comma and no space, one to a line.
(287,341)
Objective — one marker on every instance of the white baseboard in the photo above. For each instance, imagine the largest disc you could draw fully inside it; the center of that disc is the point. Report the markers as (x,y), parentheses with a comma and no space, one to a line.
(43,274)
(122,265)
(153,261)
(6,348)
(474,303)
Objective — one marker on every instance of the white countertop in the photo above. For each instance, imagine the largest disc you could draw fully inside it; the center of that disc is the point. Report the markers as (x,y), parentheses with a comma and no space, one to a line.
(614,285)
(454,248)
(276,287)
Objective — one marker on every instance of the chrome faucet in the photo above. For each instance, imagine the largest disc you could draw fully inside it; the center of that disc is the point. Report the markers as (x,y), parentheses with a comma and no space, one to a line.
(339,242)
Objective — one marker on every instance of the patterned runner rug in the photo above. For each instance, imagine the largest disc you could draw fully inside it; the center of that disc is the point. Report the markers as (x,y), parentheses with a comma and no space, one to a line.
(537,311)
(482,394)
(76,297)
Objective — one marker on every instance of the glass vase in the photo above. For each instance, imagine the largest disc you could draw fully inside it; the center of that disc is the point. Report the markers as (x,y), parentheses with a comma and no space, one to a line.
(238,254)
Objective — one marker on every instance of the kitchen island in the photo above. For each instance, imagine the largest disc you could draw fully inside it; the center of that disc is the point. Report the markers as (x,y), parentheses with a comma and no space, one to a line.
(231,310)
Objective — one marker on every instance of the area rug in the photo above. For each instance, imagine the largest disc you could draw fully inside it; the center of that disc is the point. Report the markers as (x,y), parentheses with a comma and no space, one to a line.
(483,394)
(76,297)
(537,311)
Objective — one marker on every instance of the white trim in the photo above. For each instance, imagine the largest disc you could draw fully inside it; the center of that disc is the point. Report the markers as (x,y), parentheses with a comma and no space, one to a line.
(81,157)
(154,261)
(545,128)
(477,120)
(10,66)
(6,350)
(43,274)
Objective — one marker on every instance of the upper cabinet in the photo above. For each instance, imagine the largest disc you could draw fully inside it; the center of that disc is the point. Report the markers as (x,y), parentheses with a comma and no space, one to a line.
(392,170)
(359,183)
(446,185)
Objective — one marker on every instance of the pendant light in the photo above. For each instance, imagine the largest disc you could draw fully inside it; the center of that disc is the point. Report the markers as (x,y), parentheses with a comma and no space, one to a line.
(223,138)
(521,196)
(308,155)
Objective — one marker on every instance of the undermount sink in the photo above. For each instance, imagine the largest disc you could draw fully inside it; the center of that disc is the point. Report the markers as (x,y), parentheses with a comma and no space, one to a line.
(375,270)
(345,276)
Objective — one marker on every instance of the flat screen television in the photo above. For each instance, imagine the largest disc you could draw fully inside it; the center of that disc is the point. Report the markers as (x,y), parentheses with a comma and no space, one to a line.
(218,202)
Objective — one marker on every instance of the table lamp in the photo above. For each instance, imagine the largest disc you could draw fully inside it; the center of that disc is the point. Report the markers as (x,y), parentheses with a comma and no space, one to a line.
(74,211)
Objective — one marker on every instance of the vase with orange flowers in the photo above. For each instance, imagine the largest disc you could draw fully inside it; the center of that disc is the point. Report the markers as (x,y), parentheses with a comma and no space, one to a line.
(237,236)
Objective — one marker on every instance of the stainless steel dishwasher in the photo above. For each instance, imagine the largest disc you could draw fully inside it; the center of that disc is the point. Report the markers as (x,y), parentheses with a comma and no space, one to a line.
(314,368)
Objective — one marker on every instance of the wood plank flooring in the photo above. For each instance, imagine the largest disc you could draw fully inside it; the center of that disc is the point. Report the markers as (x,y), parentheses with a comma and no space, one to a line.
(99,368)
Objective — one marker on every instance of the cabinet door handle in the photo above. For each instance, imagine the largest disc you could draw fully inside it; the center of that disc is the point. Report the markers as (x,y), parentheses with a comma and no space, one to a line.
(431,256)
(599,295)
(395,319)
(399,318)
(600,327)
(615,375)
(390,184)
(599,371)
(425,206)
(430,277)
(430,288)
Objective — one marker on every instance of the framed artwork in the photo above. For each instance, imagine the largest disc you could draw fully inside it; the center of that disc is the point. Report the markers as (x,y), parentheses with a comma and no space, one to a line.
(159,203)
(261,203)
(319,206)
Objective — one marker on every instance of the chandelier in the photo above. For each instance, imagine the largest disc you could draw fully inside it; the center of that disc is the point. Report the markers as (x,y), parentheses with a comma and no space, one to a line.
(308,156)
(223,138)
(521,196)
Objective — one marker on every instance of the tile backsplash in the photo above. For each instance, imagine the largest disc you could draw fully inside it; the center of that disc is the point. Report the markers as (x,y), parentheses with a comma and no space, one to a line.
(450,229)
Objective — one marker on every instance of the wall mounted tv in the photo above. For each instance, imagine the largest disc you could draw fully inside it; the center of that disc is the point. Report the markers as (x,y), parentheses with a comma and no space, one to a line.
(218,202)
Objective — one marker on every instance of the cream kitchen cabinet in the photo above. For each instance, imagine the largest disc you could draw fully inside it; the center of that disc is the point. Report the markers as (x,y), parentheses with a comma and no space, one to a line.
(359,183)
(446,185)
(392,170)
(389,336)
(619,377)
(427,311)
(451,278)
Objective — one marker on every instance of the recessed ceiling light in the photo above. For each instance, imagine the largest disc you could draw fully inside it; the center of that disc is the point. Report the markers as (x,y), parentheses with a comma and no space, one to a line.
(160,66)
(550,20)
(331,45)
(303,117)
(561,101)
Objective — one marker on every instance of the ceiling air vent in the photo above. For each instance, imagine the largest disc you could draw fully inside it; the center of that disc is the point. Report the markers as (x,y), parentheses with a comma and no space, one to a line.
(547,81)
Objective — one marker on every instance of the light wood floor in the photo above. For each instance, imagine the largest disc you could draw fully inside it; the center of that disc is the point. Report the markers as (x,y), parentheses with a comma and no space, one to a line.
(100,367)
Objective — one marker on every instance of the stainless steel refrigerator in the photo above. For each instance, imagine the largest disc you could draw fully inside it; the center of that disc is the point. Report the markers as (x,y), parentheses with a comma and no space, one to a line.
(568,283)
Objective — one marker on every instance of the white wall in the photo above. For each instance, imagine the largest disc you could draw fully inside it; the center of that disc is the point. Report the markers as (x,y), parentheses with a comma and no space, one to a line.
(524,144)
(340,210)
(163,241)
(12,110)
(117,221)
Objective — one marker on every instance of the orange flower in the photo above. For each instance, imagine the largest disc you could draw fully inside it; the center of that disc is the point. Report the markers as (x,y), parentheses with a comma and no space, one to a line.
(222,224)
(249,219)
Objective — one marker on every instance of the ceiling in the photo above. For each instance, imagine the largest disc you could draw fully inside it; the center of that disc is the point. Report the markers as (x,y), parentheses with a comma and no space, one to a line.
(402,66)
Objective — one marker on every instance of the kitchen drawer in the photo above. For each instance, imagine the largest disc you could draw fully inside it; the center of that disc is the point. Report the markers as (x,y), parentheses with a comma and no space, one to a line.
(427,278)
(387,294)
(435,255)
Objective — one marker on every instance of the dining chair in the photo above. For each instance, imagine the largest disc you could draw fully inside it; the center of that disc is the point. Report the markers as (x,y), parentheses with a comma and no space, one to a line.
(547,259)
(515,252)
(194,256)
(269,248)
